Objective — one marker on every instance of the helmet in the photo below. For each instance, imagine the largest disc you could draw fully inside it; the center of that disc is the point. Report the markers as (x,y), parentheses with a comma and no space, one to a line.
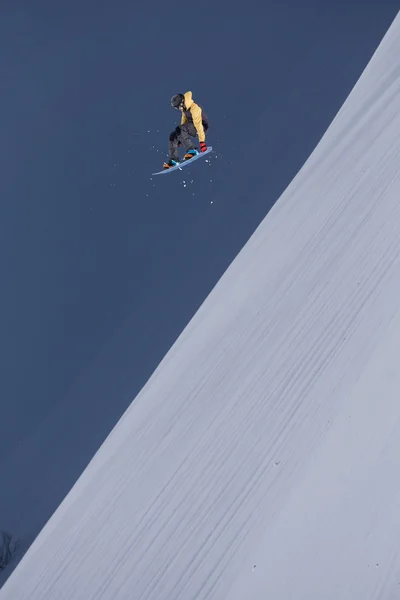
(177,100)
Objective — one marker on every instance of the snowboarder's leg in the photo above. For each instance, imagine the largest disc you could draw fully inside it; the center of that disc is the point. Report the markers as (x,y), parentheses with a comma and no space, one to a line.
(184,134)
(181,135)
(173,146)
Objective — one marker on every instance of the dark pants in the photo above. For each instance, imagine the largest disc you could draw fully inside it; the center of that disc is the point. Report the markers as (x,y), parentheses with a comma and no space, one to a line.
(182,134)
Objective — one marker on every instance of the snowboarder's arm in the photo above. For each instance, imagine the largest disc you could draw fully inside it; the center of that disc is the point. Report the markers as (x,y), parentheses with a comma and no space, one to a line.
(198,121)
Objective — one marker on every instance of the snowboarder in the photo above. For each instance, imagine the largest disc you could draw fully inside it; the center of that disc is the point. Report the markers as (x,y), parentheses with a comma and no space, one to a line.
(194,122)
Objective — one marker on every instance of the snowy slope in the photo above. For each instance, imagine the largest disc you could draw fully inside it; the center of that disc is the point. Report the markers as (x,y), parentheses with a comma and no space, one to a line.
(262,459)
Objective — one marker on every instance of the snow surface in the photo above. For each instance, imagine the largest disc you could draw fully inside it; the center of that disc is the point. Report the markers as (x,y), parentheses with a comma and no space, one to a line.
(262,458)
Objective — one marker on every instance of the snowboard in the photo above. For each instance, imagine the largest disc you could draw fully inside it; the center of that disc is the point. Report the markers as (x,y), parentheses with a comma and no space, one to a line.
(184,163)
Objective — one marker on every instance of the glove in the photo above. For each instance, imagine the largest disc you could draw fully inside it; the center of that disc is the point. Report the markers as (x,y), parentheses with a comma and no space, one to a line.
(203,147)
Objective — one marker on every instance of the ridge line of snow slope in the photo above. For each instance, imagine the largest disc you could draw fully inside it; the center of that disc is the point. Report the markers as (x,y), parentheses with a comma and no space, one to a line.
(262,458)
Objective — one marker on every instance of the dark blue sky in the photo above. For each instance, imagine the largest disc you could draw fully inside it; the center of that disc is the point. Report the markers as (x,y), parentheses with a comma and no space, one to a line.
(101,265)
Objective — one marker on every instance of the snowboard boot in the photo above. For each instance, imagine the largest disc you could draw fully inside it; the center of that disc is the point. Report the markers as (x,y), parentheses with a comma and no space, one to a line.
(190,154)
(170,163)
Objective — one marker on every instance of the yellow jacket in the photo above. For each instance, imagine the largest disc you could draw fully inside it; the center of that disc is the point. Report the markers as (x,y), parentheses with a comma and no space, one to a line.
(196,115)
